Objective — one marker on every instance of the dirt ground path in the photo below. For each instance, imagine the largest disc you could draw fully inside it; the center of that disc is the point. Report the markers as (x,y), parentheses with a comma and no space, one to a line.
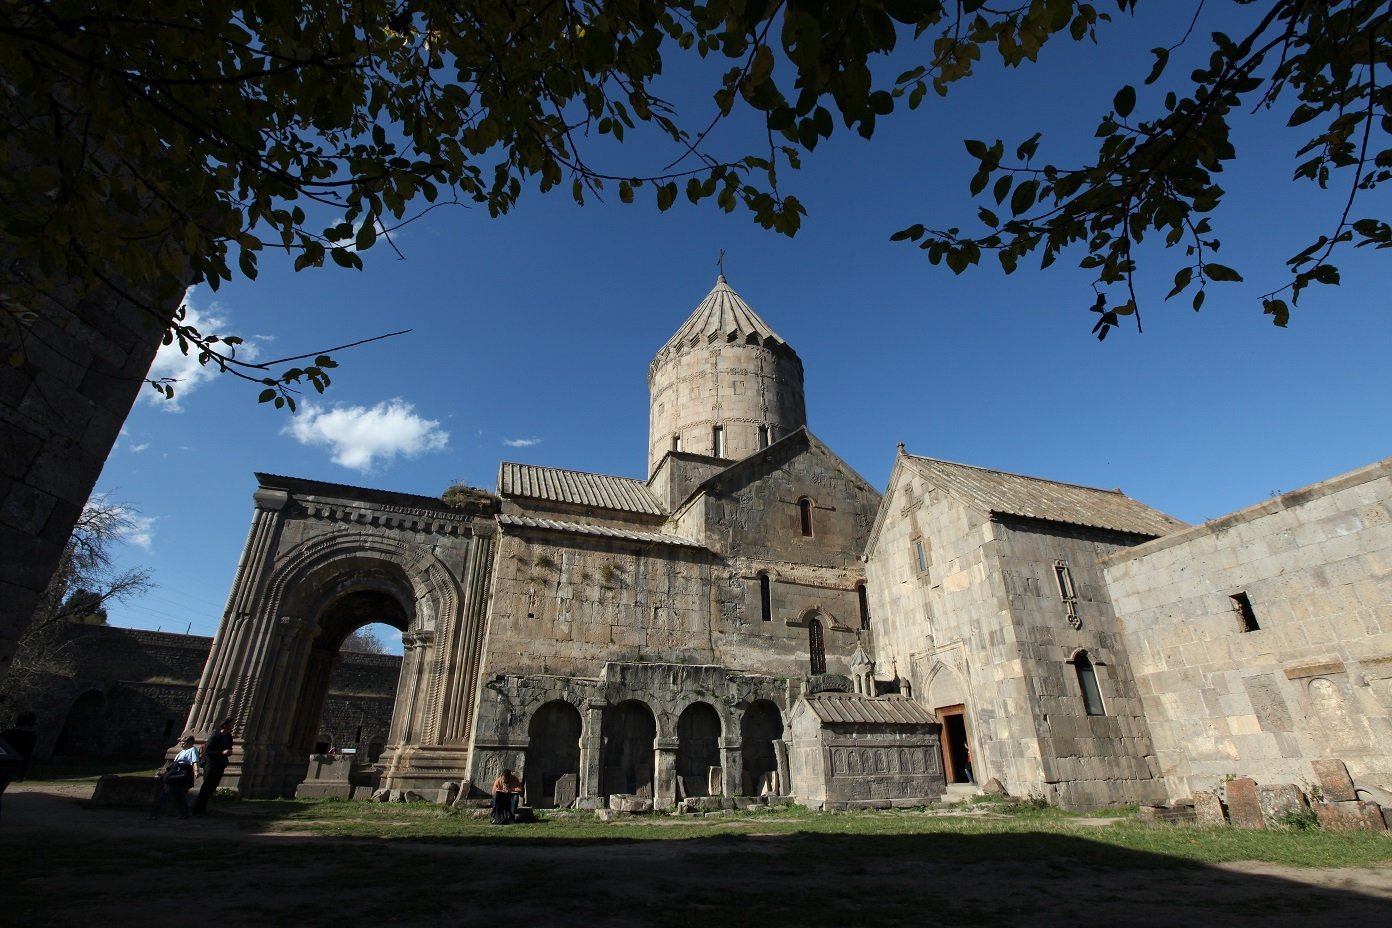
(244,877)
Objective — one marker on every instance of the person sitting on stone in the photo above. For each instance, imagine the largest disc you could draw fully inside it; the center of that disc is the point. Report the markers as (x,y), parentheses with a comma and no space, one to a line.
(507,795)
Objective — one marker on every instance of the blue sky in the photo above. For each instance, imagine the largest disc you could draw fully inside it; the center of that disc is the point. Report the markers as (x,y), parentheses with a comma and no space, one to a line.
(531,336)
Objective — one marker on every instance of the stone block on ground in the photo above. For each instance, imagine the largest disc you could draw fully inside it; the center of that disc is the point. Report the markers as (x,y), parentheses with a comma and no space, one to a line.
(589,803)
(114,790)
(715,782)
(993,787)
(1278,801)
(1243,807)
(1208,809)
(624,802)
(566,789)
(1350,816)
(1334,780)
(745,803)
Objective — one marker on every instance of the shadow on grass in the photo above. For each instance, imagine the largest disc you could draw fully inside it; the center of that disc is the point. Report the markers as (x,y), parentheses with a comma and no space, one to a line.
(766,870)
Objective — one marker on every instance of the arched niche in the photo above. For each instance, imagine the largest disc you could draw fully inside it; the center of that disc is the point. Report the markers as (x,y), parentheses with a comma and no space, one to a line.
(626,752)
(553,751)
(698,747)
(760,726)
(84,726)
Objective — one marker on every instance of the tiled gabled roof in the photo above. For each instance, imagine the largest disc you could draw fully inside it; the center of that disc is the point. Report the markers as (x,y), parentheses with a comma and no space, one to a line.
(847,708)
(621,494)
(602,531)
(995,491)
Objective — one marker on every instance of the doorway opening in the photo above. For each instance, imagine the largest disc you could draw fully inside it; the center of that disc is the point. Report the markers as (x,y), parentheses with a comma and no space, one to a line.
(956,749)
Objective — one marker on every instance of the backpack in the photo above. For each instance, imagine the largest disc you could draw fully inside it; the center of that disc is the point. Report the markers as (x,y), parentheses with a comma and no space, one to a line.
(176,774)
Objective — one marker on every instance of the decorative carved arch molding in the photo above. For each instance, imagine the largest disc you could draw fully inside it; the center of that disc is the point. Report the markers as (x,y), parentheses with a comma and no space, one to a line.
(308,579)
(945,686)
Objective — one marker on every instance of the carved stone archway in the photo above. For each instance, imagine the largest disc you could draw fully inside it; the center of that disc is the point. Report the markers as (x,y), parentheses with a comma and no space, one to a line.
(312,572)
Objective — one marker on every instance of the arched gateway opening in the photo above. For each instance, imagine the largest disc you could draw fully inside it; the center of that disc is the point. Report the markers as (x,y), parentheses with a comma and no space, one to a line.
(627,752)
(347,716)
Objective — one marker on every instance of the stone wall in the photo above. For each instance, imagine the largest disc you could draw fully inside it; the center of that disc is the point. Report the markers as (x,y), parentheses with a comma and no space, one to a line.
(60,413)
(125,694)
(737,387)
(1087,760)
(1311,679)
(983,626)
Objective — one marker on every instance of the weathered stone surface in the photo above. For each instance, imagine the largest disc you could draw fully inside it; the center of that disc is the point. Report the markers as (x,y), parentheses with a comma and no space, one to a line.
(623,802)
(993,787)
(1350,816)
(114,790)
(447,794)
(1334,780)
(565,791)
(1243,806)
(1208,809)
(1302,676)
(1278,801)
(715,782)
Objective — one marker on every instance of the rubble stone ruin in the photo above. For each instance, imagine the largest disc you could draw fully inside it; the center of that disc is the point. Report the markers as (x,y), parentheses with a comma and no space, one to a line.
(753,619)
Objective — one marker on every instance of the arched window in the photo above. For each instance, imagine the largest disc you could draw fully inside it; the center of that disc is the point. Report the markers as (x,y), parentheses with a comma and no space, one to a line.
(1087,684)
(765,598)
(816,646)
(805,516)
(864,607)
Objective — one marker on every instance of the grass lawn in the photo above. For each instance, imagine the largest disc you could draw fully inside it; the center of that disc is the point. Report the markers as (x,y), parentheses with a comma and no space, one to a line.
(307,862)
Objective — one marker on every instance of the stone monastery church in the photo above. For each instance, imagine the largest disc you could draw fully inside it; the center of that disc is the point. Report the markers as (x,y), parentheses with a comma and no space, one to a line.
(754,619)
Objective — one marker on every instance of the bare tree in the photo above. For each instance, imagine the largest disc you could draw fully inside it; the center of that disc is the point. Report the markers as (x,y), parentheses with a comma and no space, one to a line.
(364,641)
(84,583)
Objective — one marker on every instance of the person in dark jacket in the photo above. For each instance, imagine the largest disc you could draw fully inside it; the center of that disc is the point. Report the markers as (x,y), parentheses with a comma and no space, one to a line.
(216,755)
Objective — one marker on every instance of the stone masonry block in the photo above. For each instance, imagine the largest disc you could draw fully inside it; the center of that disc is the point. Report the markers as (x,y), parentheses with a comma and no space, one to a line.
(1334,780)
(1243,806)
(1350,816)
(1279,801)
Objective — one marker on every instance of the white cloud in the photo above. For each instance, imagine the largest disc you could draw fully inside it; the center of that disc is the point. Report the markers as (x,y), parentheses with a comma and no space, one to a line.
(521,442)
(136,449)
(141,531)
(360,438)
(184,369)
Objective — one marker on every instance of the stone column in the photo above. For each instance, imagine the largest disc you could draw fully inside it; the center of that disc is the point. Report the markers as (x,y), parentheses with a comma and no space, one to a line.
(780,754)
(732,766)
(591,750)
(664,773)
(234,663)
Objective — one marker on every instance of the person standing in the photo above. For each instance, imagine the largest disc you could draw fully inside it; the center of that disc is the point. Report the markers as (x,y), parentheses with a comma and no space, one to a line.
(23,739)
(217,753)
(178,778)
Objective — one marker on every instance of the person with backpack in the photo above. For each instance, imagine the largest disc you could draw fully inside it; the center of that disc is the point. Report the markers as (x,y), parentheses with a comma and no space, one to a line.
(216,755)
(177,778)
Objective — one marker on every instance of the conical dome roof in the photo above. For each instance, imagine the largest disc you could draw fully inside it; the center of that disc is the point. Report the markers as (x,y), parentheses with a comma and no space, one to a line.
(724,317)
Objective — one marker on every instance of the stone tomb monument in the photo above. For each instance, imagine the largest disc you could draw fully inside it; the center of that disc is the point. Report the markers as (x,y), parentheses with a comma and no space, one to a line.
(849,751)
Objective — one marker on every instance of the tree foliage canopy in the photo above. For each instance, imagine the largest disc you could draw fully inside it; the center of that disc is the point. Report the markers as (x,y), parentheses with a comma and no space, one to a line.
(181,140)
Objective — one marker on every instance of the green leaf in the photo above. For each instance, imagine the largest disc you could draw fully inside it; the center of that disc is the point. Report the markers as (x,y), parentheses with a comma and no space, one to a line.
(1162,58)
(1221,272)
(1278,310)
(1124,101)
(975,148)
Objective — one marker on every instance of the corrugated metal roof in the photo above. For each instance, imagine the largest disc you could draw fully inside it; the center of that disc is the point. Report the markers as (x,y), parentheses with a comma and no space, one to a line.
(623,494)
(723,316)
(847,708)
(1033,498)
(577,528)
